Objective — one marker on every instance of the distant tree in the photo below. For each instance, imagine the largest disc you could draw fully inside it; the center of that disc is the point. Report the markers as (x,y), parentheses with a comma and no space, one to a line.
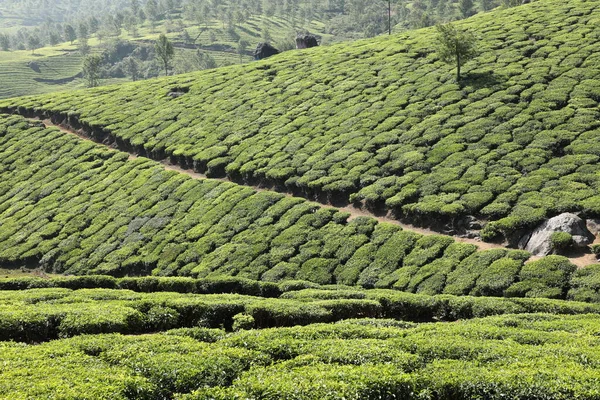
(70,34)
(132,67)
(4,42)
(266,35)
(151,12)
(466,7)
(485,5)
(54,38)
(134,5)
(94,24)
(455,46)
(389,17)
(241,48)
(164,51)
(83,46)
(212,37)
(83,31)
(187,39)
(33,43)
(91,69)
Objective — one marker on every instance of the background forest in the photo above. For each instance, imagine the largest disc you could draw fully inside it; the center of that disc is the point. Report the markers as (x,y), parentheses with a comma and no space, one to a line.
(43,42)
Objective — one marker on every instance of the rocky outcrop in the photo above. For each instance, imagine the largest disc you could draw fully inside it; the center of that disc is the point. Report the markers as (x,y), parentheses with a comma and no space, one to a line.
(539,241)
(306,41)
(264,50)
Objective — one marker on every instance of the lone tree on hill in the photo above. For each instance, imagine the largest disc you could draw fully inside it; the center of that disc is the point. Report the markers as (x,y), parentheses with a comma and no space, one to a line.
(455,46)
(164,51)
(34,43)
(70,34)
(91,69)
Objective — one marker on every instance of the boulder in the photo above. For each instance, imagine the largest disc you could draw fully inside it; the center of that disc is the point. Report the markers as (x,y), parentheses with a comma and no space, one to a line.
(264,50)
(34,66)
(306,41)
(538,242)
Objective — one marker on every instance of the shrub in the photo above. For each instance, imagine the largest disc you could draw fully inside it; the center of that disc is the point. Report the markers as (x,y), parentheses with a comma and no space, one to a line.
(243,322)
(561,241)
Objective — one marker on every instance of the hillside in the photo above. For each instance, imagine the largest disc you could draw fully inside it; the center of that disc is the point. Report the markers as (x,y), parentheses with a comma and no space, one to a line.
(230,234)
(383,123)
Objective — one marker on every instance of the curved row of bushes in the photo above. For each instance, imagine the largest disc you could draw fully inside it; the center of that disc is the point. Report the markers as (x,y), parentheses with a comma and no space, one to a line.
(528,357)
(38,315)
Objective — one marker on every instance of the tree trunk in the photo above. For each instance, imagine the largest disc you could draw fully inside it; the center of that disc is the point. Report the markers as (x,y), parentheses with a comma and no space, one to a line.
(457,67)
(389,17)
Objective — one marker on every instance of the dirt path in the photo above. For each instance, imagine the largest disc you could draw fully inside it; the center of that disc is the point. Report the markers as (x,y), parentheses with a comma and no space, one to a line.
(581,260)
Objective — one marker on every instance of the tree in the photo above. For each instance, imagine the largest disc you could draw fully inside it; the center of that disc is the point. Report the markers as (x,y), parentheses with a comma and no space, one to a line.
(34,43)
(91,69)
(164,51)
(70,34)
(83,46)
(4,42)
(466,8)
(389,17)
(455,46)
(485,5)
(54,38)
(83,31)
(132,67)
(241,48)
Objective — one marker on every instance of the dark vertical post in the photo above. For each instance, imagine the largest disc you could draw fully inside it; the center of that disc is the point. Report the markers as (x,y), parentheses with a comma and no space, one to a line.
(389,17)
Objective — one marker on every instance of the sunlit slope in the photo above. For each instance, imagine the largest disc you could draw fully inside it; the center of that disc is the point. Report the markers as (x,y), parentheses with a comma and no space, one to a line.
(384,122)
(72,206)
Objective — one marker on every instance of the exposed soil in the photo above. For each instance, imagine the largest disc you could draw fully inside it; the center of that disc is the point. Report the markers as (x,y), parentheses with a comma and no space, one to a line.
(581,259)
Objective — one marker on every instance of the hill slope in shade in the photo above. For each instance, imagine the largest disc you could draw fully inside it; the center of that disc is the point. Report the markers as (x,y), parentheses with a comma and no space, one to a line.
(383,122)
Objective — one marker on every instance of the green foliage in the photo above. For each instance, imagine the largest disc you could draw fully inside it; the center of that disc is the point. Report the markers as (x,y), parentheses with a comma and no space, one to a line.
(548,277)
(561,241)
(91,69)
(456,47)
(164,52)
(513,143)
(243,321)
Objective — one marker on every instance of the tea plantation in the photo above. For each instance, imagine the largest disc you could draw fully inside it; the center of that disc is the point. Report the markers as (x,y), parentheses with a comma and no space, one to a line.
(168,287)
(72,206)
(384,123)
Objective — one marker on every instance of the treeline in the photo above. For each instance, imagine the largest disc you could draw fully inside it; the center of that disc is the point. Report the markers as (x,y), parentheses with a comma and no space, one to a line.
(61,21)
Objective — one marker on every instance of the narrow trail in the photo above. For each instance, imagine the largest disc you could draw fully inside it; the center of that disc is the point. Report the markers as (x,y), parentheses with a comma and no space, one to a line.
(581,260)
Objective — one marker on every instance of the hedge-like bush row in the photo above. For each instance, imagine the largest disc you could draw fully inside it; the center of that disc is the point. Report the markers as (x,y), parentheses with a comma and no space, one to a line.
(528,357)
(38,315)
(384,123)
(148,284)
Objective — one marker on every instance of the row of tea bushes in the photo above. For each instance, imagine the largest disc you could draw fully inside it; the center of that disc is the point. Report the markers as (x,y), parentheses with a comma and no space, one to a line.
(529,357)
(546,278)
(38,315)
(384,123)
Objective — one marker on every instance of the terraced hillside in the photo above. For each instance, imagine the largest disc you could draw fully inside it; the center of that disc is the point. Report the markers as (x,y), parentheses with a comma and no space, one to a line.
(383,123)
(72,206)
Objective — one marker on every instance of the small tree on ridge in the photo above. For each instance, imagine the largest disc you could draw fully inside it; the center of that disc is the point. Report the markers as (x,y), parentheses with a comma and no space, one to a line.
(164,51)
(455,46)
